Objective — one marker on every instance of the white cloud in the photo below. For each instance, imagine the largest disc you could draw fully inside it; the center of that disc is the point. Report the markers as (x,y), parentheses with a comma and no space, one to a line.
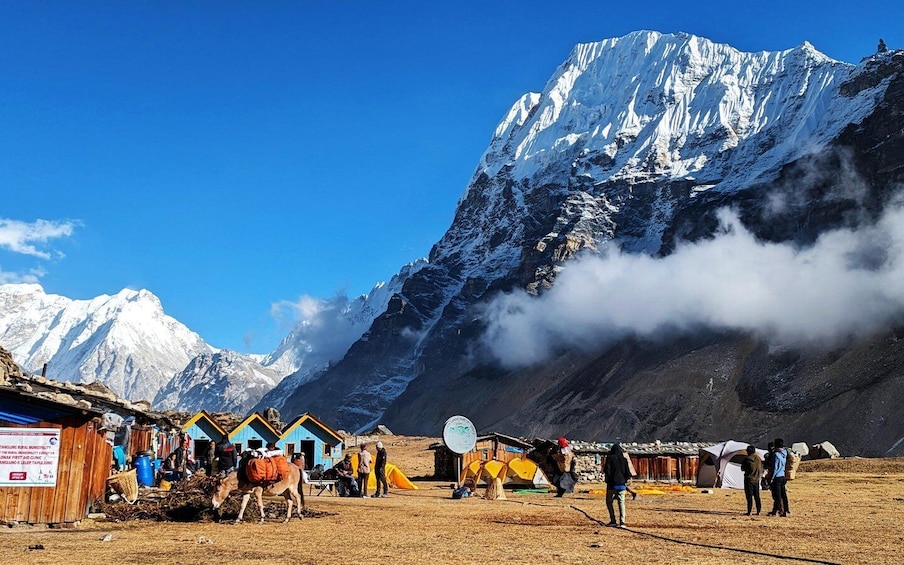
(848,283)
(24,237)
(31,276)
(321,324)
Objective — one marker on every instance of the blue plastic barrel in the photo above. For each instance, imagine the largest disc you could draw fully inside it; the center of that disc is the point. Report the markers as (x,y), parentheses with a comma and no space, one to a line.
(144,470)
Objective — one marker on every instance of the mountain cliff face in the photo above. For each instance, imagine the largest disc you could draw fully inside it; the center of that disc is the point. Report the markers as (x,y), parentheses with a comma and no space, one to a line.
(637,145)
(672,240)
(223,381)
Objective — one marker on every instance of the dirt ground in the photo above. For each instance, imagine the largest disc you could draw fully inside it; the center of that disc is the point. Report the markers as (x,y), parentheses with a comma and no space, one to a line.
(844,511)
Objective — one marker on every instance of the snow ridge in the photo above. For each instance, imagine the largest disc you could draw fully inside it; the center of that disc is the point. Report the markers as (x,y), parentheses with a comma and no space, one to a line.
(662,105)
(124,341)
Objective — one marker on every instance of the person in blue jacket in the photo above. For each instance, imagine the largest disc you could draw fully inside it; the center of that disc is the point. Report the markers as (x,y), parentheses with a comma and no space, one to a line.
(777,477)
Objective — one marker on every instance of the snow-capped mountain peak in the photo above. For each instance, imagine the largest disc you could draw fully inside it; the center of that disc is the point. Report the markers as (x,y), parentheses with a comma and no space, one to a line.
(125,340)
(650,105)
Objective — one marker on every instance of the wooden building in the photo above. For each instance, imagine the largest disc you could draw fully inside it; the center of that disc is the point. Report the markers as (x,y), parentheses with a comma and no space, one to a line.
(253,432)
(319,442)
(654,462)
(84,459)
(487,448)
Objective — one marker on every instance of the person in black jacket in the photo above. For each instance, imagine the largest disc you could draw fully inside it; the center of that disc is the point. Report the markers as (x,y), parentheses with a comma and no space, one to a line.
(380,470)
(617,476)
(226,457)
(752,467)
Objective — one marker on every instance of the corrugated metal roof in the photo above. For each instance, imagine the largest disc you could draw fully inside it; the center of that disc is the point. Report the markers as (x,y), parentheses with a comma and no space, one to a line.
(19,407)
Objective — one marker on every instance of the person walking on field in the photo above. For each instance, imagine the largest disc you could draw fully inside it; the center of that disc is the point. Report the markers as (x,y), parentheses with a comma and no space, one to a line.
(752,467)
(617,476)
(777,479)
(380,470)
(364,461)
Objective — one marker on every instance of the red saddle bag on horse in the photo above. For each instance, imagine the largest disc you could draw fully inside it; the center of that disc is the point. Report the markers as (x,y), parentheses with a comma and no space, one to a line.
(267,470)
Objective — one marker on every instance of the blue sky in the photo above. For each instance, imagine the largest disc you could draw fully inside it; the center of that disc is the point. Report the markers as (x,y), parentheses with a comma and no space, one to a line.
(229,156)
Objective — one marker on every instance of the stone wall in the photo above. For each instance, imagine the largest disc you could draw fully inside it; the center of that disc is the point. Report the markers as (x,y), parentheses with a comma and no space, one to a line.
(8,367)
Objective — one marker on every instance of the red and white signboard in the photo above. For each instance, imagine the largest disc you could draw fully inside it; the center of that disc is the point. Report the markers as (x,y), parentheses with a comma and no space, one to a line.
(29,457)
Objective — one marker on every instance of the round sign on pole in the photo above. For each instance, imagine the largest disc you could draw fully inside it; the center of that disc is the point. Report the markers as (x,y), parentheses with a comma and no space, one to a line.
(459,435)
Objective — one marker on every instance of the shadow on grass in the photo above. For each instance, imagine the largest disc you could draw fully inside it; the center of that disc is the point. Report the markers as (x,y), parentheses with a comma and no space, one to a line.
(696,511)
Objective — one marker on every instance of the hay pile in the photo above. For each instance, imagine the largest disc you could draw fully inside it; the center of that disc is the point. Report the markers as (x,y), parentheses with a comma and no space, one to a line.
(190,501)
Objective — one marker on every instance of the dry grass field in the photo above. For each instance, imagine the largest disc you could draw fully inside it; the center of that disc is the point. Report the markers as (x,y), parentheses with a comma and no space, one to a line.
(843,511)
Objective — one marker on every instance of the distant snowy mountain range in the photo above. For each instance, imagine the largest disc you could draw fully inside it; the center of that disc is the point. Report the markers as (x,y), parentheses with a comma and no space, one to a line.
(128,343)
(558,301)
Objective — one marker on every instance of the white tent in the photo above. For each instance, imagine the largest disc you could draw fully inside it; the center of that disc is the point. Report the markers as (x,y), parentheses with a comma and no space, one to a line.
(720,465)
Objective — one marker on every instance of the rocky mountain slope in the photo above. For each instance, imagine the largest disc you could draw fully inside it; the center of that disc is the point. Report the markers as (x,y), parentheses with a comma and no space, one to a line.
(224,381)
(650,146)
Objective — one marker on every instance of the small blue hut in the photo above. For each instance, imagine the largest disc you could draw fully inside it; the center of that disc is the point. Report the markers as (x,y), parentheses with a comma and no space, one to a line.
(319,442)
(203,430)
(254,431)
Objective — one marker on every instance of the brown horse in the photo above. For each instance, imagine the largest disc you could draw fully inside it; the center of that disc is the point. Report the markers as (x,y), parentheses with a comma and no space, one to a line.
(288,488)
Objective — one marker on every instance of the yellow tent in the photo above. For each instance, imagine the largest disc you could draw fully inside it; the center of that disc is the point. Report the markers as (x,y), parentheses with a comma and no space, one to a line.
(520,472)
(525,472)
(394,476)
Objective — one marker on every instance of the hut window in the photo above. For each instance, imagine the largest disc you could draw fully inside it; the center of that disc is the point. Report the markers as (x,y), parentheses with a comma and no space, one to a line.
(598,458)
(290,449)
(238,447)
(327,449)
(255,444)
(484,454)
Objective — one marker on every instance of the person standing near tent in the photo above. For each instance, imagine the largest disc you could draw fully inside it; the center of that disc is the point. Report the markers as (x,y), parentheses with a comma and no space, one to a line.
(347,486)
(380,470)
(777,479)
(617,476)
(767,464)
(752,467)
(565,478)
(364,460)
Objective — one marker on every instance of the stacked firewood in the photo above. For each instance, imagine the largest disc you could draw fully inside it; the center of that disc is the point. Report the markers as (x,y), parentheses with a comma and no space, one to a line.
(190,501)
